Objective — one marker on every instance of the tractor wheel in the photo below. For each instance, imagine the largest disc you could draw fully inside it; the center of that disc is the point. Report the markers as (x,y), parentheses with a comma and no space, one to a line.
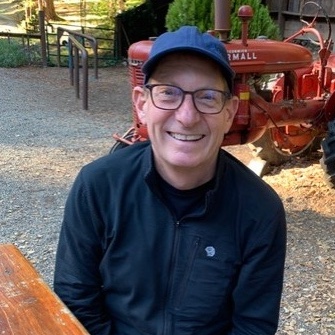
(328,156)
(278,145)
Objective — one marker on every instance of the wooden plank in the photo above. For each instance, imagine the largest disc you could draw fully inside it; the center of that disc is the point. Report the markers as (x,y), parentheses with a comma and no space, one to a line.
(273,5)
(294,6)
(297,16)
(27,305)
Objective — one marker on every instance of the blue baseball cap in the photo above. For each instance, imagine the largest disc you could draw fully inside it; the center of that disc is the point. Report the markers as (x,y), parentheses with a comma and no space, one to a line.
(189,38)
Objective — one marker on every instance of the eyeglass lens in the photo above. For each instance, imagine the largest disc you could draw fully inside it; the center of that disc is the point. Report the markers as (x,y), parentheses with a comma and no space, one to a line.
(171,97)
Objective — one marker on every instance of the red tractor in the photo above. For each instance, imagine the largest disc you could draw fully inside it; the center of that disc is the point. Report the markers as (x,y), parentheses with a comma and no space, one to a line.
(286,91)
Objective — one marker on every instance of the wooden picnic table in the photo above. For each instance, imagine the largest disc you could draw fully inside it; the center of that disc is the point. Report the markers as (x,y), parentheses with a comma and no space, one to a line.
(27,304)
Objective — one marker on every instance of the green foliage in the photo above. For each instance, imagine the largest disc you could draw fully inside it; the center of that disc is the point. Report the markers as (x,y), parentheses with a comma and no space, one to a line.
(104,9)
(32,23)
(261,23)
(201,14)
(12,54)
(185,12)
(108,9)
(133,3)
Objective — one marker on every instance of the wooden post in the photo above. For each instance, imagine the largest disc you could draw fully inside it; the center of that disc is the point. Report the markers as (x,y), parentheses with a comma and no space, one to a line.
(41,16)
(41,25)
(281,18)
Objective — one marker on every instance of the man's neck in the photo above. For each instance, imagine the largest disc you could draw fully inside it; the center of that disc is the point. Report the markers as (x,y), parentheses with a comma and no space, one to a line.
(185,178)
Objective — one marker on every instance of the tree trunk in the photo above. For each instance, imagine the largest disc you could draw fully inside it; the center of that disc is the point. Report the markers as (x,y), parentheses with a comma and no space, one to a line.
(50,11)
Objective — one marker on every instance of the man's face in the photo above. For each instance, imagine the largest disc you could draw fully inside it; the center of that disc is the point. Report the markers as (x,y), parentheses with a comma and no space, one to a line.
(185,139)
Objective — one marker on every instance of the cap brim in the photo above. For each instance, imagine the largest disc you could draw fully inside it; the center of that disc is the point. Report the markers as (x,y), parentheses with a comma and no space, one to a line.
(150,65)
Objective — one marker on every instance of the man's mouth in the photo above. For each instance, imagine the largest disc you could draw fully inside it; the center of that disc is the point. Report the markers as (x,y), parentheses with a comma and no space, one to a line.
(183,137)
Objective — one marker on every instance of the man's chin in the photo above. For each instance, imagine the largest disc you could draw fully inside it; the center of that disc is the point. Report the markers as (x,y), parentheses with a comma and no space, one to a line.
(185,161)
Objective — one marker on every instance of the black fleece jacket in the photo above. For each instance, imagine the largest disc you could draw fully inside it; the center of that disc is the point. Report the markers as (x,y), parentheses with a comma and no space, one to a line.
(126,266)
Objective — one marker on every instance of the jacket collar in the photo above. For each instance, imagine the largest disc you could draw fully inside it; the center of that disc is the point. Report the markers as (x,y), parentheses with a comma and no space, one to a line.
(150,174)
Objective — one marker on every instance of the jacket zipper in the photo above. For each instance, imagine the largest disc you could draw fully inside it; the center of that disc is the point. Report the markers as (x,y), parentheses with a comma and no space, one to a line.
(167,323)
(184,281)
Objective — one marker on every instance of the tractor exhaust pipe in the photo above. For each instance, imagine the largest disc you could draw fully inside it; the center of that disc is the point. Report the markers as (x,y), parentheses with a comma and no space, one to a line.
(222,18)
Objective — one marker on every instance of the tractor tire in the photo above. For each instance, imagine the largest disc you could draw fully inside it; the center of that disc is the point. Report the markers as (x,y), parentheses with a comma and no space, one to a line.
(327,160)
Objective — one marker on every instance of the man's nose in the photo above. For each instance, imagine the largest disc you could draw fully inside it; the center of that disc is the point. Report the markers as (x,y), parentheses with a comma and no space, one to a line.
(187,113)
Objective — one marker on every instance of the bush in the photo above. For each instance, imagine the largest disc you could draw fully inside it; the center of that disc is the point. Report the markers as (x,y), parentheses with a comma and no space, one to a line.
(194,13)
(12,54)
(261,23)
(200,13)
(107,10)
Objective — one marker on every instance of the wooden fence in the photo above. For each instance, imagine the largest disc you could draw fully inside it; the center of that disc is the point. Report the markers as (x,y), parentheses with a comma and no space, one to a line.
(287,14)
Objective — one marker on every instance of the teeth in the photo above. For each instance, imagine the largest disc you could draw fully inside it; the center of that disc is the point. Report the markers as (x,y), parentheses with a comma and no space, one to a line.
(183,137)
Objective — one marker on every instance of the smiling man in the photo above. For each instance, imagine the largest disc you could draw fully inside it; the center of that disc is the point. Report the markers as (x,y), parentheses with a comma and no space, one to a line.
(174,235)
(187,107)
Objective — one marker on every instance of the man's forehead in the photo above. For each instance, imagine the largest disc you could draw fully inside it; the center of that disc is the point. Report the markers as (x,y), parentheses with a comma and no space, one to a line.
(184,60)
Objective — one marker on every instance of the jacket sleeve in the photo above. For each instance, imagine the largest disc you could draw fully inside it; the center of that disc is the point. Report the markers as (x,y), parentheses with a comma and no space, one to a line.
(258,292)
(77,278)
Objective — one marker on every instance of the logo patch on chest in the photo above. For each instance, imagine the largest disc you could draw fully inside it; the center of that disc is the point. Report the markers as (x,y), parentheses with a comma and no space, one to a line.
(210,251)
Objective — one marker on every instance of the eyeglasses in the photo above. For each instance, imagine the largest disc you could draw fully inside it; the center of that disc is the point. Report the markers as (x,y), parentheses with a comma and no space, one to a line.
(170,97)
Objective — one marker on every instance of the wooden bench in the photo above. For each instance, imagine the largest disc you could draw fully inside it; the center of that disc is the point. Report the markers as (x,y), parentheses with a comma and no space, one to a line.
(27,304)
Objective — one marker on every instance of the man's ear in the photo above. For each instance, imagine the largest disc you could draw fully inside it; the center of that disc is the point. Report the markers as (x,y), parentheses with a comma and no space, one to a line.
(234,103)
(139,101)
(231,110)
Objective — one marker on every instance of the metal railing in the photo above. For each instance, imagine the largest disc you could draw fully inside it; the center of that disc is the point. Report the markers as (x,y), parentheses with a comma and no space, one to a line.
(77,52)
(74,49)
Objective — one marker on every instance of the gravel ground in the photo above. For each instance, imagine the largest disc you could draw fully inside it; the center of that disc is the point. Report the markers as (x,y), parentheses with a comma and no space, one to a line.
(45,137)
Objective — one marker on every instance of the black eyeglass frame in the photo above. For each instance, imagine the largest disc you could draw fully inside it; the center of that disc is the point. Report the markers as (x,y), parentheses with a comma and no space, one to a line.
(225,94)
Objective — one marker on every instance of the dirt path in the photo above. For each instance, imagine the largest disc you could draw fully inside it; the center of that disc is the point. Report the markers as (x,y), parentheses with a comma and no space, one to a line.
(12,14)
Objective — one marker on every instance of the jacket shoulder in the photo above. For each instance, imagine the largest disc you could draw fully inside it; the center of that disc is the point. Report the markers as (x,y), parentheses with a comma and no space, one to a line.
(120,160)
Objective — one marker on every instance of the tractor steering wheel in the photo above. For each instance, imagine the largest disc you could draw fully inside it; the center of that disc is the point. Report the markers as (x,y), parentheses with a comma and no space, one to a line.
(303,19)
